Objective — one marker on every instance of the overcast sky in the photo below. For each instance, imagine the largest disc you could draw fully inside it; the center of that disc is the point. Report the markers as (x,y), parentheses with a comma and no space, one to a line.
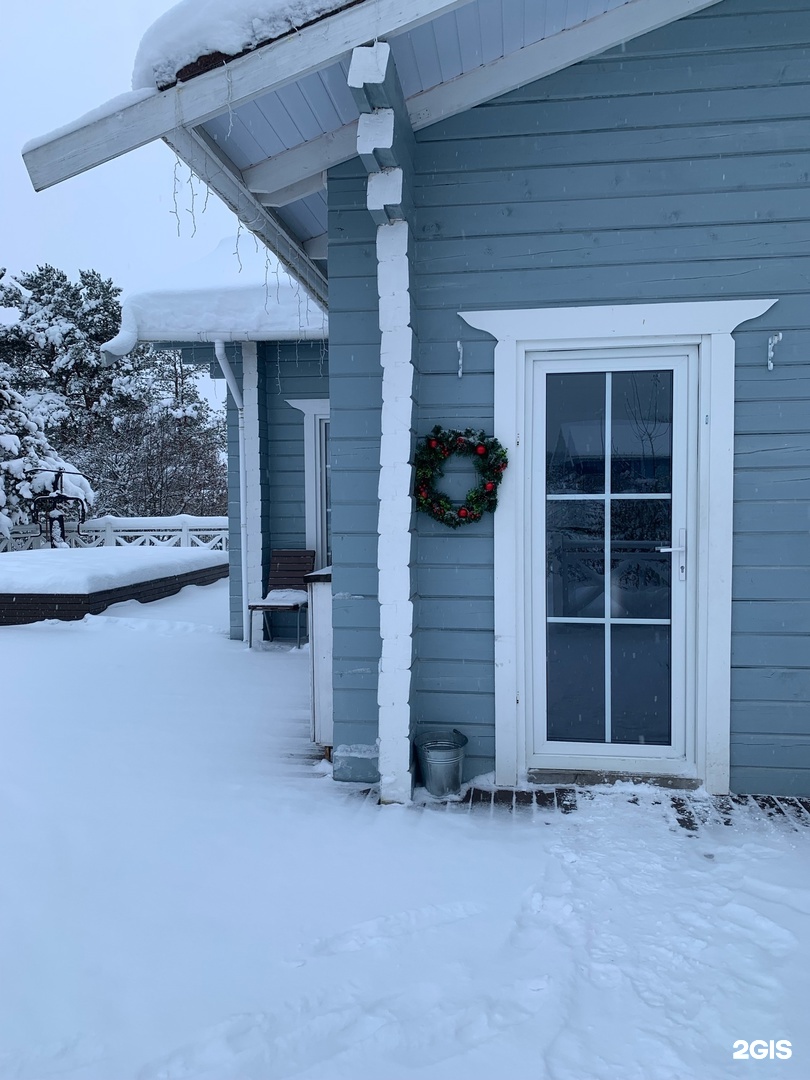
(60,59)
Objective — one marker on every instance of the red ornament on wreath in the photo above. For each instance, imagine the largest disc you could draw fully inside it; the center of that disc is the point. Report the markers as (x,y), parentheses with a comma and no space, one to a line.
(489,459)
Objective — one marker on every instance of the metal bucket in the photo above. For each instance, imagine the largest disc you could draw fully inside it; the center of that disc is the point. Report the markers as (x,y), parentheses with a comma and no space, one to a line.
(441,758)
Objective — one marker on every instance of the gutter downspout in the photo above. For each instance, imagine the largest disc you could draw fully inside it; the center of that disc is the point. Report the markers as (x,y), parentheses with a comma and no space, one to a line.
(239,402)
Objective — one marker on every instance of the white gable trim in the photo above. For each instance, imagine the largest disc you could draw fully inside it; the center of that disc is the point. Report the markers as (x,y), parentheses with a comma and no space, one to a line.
(213,93)
(709,326)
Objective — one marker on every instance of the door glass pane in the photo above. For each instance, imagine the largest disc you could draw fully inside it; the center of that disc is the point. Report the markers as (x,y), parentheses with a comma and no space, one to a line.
(639,574)
(640,685)
(575,682)
(575,548)
(575,432)
(641,431)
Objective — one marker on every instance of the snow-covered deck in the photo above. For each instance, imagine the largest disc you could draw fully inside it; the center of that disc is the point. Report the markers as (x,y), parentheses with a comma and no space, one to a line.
(69,583)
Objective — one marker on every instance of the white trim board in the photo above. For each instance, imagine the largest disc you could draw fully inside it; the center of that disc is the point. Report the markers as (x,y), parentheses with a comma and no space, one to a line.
(275,65)
(708,326)
(314,410)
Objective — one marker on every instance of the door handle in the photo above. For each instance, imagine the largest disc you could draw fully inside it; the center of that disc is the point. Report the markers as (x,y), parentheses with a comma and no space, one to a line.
(680,550)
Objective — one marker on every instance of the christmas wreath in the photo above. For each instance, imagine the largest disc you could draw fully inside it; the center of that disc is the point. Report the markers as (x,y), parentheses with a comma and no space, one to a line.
(490,460)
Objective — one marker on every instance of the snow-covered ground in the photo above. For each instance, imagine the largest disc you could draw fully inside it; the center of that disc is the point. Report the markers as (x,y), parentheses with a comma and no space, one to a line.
(184,896)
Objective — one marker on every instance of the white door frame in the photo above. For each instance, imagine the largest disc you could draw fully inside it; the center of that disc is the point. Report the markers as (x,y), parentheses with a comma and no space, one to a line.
(614,757)
(707,326)
(314,410)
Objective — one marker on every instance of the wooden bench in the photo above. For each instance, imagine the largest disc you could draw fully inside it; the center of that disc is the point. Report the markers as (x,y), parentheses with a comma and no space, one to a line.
(286,588)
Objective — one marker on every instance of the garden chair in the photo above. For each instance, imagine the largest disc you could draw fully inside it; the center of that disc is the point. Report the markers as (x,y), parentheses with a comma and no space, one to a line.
(286,588)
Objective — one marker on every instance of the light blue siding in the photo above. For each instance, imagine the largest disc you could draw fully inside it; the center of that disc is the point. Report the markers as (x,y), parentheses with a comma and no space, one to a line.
(287,370)
(234,529)
(355,401)
(674,168)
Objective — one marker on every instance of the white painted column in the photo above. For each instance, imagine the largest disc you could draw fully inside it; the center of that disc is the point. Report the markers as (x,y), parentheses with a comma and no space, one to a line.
(395,510)
(385,144)
(253,497)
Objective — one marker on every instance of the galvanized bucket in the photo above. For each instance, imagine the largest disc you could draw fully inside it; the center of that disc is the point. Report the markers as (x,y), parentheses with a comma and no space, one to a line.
(441,758)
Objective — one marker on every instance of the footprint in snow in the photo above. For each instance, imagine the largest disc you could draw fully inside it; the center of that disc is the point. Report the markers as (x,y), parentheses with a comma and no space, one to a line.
(379,931)
(250,1045)
(52,1060)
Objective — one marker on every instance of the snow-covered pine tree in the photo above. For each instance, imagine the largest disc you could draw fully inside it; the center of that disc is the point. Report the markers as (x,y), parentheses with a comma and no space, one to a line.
(53,352)
(28,463)
(140,428)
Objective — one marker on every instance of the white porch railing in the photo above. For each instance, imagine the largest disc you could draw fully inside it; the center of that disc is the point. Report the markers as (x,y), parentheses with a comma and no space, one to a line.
(182,530)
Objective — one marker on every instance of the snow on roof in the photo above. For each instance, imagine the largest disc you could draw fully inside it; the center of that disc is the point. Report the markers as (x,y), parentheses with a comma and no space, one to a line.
(198,28)
(223,297)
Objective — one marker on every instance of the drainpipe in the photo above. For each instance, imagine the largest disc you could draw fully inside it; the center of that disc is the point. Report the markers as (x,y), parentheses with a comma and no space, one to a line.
(239,402)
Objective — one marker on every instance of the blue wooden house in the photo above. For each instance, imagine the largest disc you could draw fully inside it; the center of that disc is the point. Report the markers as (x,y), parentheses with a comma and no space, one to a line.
(577,227)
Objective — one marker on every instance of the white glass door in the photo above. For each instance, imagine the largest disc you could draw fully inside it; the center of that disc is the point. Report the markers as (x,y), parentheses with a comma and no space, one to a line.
(609,560)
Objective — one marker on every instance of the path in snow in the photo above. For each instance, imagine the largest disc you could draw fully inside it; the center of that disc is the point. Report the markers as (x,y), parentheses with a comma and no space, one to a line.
(184,897)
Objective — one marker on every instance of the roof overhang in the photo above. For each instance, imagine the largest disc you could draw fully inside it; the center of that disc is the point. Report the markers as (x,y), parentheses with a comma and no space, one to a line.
(237,129)
(255,312)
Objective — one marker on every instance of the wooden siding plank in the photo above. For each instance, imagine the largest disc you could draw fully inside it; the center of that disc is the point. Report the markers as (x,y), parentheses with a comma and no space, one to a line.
(764,617)
(457,709)
(534,183)
(594,114)
(757,717)
(614,211)
(713,33)
(611,75)
(782,549)
(612,247)
(449,676)
(767,684)
(789,515)
(764,779)
(770,650)
(764,750)
(771,583)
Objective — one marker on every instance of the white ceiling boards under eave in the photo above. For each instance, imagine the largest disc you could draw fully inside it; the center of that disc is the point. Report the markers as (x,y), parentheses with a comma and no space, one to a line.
(262,130)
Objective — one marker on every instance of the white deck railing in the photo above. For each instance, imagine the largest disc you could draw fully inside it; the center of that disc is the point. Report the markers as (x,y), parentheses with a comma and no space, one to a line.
(182,530)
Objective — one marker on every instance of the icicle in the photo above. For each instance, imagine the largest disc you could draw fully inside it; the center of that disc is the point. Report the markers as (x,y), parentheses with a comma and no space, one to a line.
(460,348)
(175,185)
(230,99)
(236,249)
(190,183)
(773,341)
